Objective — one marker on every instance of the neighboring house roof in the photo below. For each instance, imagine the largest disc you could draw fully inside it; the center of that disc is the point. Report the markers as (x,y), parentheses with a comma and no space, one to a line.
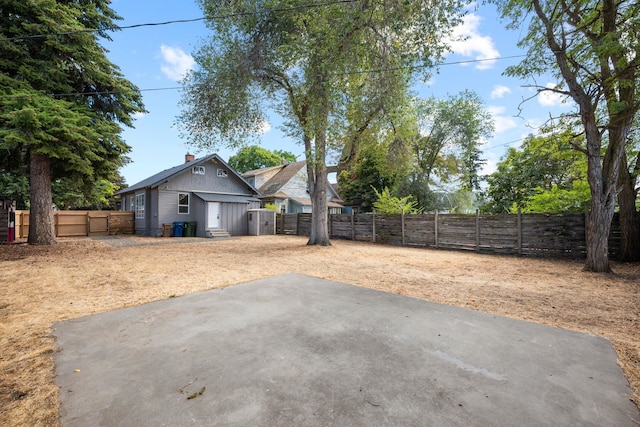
(261,171)
(161,177)
(279,180)
(279,177)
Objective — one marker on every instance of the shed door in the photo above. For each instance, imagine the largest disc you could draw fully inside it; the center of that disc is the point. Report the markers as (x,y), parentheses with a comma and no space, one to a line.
(213,215)
(267,225)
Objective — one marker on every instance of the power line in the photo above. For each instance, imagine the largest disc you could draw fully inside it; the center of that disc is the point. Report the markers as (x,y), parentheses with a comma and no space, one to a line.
(380,70)
(176,21)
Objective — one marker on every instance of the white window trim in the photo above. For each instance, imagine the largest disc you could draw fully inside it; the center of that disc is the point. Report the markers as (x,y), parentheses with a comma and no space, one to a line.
(187,205)
(140,202)
(198,170)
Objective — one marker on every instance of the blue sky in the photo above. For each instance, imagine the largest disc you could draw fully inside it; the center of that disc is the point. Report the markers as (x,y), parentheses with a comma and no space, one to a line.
(155,57)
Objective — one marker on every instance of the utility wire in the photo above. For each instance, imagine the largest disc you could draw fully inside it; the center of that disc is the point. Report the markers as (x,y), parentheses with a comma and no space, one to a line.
(177,21)
(380,70)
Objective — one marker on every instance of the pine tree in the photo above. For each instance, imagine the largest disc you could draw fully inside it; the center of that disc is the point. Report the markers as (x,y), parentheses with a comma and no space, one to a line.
(62,102)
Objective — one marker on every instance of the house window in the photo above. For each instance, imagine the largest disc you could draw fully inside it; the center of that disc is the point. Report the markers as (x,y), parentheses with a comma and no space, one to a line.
(198,170)
(183,203)
(222,173)
(140,206)
(132,203)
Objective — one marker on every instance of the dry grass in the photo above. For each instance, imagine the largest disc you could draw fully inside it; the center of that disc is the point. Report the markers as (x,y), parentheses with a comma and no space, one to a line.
(78,277)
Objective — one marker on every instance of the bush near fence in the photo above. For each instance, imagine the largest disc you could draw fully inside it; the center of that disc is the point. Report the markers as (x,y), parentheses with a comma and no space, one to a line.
(82,223)
(538,235)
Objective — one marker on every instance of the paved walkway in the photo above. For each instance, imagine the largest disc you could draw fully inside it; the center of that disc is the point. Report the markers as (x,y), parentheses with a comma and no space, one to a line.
(295,350)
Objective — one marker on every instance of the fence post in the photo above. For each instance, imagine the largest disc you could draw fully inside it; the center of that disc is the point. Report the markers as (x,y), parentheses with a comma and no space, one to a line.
(435,220)
(402,226)
(353,226)
(519,224)
(373,238)
(477,230)
(330,221)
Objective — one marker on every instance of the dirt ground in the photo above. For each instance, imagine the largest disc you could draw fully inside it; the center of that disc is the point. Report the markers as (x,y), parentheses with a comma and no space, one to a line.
(78,277)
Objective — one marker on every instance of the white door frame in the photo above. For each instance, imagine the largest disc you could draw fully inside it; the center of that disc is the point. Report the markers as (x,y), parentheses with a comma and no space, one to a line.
(213,215)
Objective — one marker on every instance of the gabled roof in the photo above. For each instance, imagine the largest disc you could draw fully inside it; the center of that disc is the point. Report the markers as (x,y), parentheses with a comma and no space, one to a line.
(261,170)
(280,179)
(160,177)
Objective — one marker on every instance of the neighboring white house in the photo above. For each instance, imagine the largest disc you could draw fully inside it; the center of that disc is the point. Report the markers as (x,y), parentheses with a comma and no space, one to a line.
(287,187)
(205,191)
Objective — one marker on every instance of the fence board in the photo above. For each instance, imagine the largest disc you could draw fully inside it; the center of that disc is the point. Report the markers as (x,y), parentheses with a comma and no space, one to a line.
(82,223)
(537,235)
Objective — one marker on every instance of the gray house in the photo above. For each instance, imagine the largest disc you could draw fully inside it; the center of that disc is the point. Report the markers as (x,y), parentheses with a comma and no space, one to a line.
(206,191)
(286,186)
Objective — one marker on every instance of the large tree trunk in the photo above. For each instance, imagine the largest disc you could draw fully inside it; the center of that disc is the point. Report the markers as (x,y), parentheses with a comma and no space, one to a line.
(629,218)
(603,181)
(317,178)
(41,231)
(597,236)
(319,215)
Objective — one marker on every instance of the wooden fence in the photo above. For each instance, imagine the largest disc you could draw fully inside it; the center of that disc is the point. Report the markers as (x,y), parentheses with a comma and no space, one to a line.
(539,235)
(82,223)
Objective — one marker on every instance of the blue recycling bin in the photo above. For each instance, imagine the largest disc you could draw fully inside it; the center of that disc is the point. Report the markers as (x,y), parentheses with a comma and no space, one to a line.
(177,228)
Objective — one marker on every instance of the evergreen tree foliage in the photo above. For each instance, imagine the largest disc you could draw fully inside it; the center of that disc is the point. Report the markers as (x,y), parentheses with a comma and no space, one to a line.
(62,102)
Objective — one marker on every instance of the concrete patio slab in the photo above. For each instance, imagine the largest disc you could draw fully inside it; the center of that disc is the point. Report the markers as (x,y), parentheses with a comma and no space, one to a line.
(295,350)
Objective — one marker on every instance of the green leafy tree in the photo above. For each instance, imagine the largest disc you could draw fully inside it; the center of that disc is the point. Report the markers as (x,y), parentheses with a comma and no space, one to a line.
(96,195)
(359,184)
(388,204)
(312,63)
(255,157)
(559,200)
(541,164)
(61,100)
(592,48)
(444,145)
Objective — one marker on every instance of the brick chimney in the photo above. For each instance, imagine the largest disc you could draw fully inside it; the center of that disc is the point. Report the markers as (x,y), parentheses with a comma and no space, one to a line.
(189,158)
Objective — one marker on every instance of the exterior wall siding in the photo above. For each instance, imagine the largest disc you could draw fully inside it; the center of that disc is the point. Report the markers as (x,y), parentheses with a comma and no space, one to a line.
(161,202)
(234,218)
(143,224)
(261,178)
(297,186)
(187,181)
(198,209)
(168,208)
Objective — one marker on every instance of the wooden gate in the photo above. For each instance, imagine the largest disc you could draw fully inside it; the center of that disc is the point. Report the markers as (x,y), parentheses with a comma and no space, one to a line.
(98,223)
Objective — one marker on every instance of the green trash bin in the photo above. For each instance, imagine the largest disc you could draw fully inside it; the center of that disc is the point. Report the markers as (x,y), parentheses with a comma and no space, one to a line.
(190,228)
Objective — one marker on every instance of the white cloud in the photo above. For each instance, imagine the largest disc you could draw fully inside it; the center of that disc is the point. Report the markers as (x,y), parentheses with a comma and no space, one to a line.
(548,98)
(489,167)
(139,115)
(499,91)
(176,63)
(469,42)
(265,127)
(501,123)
